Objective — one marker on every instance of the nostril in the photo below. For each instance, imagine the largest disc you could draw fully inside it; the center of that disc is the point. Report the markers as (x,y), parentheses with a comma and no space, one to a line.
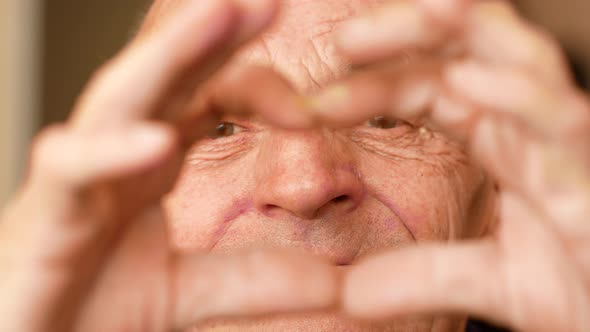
(340,199)
(268,208)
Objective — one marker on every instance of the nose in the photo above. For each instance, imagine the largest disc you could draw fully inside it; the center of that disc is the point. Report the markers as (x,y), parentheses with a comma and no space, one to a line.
(305,174)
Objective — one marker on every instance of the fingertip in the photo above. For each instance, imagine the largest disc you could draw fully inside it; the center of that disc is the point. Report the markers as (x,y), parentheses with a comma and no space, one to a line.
(296,113)
(464,73)
(125,151)
(151,135)
(331,105)
(379,34)
(153,140)
(257,14)
(330,99)
(261,8)
(451,12)
(453,116)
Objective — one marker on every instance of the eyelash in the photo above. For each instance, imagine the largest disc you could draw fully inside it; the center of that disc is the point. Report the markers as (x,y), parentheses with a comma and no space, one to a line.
(220,130)
(385,123)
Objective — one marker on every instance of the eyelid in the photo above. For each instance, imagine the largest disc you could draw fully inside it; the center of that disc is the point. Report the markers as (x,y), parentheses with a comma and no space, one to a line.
(239,127)
(220,134)
(374,122)
(244,121)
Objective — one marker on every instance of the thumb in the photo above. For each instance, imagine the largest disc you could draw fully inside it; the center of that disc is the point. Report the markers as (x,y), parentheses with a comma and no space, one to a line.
(252,283)
(428,279)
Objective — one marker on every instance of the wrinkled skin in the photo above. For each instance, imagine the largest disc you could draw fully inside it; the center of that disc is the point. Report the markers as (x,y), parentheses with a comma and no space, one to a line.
(84,245)
(338,193)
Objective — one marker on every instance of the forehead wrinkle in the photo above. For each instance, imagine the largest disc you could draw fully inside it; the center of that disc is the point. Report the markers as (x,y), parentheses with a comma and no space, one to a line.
(298,45)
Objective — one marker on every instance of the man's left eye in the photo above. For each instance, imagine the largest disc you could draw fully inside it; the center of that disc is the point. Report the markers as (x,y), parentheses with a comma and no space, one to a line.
(226,129)
(383,122)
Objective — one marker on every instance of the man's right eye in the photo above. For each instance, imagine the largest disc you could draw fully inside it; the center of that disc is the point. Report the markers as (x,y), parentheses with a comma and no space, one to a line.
(226,129)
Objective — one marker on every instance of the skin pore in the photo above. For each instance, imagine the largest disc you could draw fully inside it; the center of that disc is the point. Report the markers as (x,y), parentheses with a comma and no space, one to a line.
(341,194)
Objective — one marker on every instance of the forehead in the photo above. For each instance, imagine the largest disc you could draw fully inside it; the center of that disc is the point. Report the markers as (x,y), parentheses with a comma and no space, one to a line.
(298,45)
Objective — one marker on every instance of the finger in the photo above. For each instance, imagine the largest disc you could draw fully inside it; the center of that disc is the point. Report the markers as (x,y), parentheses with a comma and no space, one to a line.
(395,27)
(65,165)
(492,31)
(404,93)
(145,286)
(450,12)
(280,104)
(170,61)
(454,116)
(253,283)
(516,93)
(236,92)
(563,284)
(66,160)
(427,280)
(496,34)
(554,181)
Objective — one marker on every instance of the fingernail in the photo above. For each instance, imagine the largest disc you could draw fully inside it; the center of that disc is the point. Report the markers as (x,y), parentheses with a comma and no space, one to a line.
(330,100)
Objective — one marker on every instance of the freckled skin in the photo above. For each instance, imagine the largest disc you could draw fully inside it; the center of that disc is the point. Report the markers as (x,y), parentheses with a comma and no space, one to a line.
(342,194)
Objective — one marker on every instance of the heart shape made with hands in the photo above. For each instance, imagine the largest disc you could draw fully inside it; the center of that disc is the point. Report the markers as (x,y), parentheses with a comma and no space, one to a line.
(86,231)
(475,277)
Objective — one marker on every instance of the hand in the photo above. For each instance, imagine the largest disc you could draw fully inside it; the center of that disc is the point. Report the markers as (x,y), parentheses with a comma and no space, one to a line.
(84,245)
(501,86)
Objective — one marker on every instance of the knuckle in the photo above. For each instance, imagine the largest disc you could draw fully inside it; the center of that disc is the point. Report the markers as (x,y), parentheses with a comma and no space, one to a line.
(100,77)
(545,41)
(103,71)
(501,8)
(45,149)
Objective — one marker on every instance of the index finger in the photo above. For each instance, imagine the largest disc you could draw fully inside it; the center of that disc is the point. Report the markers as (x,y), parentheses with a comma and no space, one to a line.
(400,26)
(169,61)
(491,31)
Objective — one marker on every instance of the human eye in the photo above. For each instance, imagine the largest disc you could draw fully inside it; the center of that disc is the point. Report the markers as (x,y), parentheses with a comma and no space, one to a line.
(384,122)
(226,129)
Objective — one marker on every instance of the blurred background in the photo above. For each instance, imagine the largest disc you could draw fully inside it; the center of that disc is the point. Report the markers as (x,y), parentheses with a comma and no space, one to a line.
(48,50)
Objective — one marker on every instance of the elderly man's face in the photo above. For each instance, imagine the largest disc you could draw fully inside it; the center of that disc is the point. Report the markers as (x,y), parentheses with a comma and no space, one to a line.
(341,194)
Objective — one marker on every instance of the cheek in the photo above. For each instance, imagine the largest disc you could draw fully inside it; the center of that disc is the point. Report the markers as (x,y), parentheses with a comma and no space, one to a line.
(429,197)
(200,204)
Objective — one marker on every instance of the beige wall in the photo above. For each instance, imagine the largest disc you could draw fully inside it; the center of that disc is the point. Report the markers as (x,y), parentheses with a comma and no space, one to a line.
(47,53)
(80,35)
(19,55)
